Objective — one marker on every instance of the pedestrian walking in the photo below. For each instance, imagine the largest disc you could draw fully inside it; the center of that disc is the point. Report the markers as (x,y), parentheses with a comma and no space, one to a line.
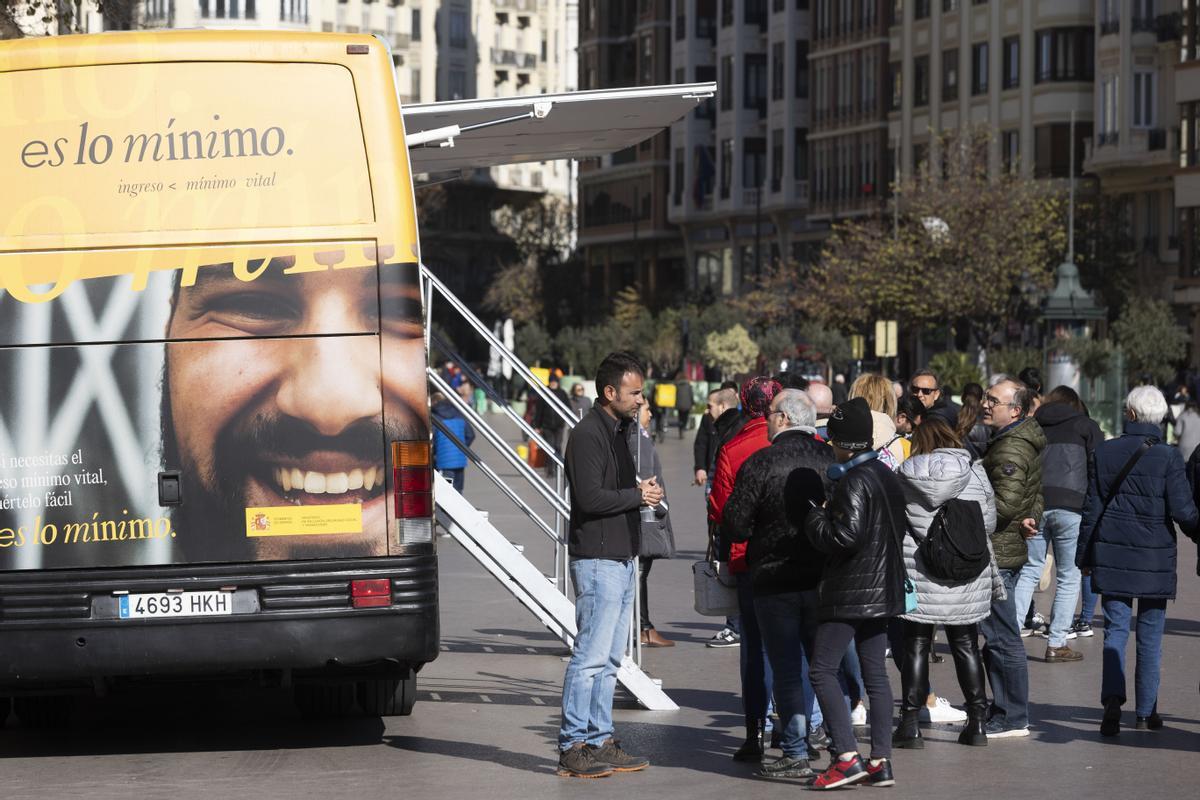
(603,540)
(771,498)
(1014,468)
(1137,493)
(549,423)
(1071,440)
(1187,429)
(581,404)
(448,458)
(657,537)
(939,471)
(862,585)
(684,400)
(757,395)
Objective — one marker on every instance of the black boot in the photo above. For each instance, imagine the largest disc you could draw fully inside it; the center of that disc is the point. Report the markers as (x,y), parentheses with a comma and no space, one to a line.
(908,733)
(964,647)
(752,748)
(974,733)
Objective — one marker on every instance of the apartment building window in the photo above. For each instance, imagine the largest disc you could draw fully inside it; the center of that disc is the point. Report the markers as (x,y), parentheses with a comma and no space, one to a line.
(416,85)
(1012,61)
(846,83)
(950,75)
(707,108)
(777,71)
(754,12)
(647,60)
(754,92)
(801,90)
(678,182)
(1109,124)
(896,79)
(921,9)
(979,68)
(800,154)
(921,81)
(726,166)
(1010,150)
(1144,85)
(1052,149)
(896,12)
(227,9)
(680,22)
(726,13)
(457,84)
(416,25)
(949,5)
(776,159)
(1143,15)
(868,97)
(1065,54)
(868,16)
(726,89)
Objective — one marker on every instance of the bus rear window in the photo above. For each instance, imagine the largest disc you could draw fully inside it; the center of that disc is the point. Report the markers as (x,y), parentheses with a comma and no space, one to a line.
(127,148)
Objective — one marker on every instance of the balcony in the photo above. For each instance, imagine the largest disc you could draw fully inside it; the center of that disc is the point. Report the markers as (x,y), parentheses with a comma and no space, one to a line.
(1145,25)
(1168,27)
(1141,148)
(1108,27)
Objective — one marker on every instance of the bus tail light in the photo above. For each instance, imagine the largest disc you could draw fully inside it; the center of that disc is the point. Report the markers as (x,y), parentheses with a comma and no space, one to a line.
(372,593)
(412,487)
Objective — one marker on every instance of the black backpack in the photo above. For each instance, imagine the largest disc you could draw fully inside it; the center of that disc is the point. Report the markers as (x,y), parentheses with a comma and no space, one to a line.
(956,548)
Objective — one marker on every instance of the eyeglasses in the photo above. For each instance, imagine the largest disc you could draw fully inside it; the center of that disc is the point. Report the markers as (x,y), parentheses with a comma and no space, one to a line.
(989,402)
(921,390)
(773,413)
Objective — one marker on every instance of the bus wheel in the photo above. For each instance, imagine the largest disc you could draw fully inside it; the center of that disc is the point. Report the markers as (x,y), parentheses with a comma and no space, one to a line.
(388,697)
(324,700)
(43,711)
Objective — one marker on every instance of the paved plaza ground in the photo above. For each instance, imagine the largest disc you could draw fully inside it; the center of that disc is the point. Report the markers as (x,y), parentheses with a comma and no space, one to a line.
(488,713)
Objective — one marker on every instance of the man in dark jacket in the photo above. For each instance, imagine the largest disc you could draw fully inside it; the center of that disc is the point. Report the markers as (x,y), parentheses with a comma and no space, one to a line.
(926,386)
(684,400)
(721,422)
(774,490)
(861,531)
(1127,543)
(548,422)
(1014,467)
(603,539)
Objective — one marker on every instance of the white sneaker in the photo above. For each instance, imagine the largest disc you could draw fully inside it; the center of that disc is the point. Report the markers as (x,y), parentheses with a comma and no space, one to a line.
(859,715)
(941,711)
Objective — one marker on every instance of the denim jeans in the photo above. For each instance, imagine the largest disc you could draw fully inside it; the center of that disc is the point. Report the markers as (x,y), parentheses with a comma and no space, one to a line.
(1060,533)
(1151,619)
(755,668)
(1005,660)
(603,604)
(788,623)
(1087,599)
(871,637)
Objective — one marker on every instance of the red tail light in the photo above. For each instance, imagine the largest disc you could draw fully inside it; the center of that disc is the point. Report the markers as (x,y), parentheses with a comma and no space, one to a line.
(412,479)
(372,593)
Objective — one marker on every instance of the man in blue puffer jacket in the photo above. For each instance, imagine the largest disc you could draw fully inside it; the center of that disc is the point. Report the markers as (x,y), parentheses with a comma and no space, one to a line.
(448,458)
(1130,549)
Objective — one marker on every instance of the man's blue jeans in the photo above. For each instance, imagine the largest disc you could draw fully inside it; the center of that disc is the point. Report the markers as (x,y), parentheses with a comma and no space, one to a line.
(755,667)
(1060,532)
(1005,659)
(603,603)
(788,623)
(1151,619)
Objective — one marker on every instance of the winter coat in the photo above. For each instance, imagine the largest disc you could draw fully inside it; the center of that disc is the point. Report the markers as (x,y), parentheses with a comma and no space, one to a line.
(658,539)
(1071,436)
(684,397)
(604,514)
(1133,553)
(769,505)
(547,418)
(929,480)
(947,409)
(1014,468)
(1187,431)
(749,440)
(860,531)
(978,438)
(580,405)
(446,454)
(719,432)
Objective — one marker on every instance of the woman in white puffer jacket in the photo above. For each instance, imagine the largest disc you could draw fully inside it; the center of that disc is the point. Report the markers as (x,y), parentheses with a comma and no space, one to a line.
(939,470)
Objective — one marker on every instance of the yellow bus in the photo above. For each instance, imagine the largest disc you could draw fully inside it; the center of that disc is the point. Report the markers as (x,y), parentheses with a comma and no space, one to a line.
(214,433)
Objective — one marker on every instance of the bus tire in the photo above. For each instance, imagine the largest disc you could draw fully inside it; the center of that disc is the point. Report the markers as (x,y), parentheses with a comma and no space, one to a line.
(388,697)
(324,700)
(43,711)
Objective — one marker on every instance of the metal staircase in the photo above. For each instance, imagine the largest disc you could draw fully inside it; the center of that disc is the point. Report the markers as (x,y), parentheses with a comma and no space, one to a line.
(546,596)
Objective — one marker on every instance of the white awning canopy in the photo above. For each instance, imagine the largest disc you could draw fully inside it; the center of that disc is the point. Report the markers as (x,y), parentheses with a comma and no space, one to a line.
(465,134)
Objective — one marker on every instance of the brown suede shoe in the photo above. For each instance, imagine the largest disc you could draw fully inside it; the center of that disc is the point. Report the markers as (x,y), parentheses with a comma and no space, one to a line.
(652,638)
(1056,655)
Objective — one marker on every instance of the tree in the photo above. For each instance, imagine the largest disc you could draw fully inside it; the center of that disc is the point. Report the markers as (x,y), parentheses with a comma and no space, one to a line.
(532,343)
(771,300)
(955,369)
(19,18)
(969,246)
(733,351)
(826,345)
(516,292)
(1092,356)
(1152,341)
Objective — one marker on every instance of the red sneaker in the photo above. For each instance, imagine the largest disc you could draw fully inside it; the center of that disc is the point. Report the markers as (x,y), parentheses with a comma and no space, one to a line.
(880,774)
(842,773)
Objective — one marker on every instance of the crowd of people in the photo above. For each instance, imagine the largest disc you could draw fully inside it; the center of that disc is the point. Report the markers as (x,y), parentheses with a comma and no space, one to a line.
(856,521)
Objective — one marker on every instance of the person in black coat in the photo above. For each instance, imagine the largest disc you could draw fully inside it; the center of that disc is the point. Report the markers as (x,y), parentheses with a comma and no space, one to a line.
(772,495)
(1127,544)
(861,531)
(549,423)
(721,422)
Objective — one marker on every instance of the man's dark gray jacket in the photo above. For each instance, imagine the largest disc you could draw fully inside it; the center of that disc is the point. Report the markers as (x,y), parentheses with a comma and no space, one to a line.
(601,510)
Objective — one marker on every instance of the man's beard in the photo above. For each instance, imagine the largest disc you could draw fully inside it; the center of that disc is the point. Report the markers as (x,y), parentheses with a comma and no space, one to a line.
(211,521)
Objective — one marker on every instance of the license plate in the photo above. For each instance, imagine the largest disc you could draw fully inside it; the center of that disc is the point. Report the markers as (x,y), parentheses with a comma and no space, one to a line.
(180,604)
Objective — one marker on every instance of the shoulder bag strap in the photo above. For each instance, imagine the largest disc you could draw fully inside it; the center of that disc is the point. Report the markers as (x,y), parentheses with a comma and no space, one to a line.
(1142,449)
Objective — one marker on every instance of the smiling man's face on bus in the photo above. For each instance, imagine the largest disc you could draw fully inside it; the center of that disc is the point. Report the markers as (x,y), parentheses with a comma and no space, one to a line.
(290,413)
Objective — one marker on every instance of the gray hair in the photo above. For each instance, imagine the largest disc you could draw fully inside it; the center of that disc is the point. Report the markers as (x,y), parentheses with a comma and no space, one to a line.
(1022,394)
(798,407)
(1147,404)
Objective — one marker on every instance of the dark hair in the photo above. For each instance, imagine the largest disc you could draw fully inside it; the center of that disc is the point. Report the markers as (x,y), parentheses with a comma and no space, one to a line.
(934,434)
(730,385)
(614,367)
(792,380)
(910,407)
(971,411)
(973,390)
(926,373)
(1067,396)
(1032,378)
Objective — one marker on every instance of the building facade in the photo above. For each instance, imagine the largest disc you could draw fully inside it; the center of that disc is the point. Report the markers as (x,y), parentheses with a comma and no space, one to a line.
(1187,174)
(739,163)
